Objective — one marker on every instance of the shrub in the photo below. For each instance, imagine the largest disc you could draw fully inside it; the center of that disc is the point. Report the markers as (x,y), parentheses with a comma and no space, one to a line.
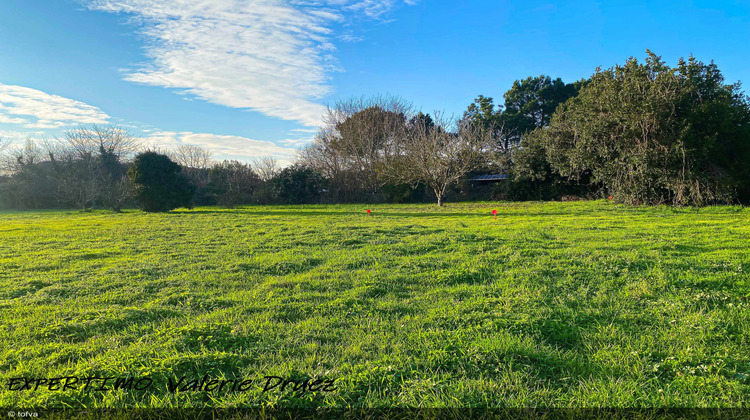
(298,184)
(158,184)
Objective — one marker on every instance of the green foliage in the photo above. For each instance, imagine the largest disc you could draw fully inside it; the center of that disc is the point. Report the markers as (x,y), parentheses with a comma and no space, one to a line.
(653,134)
(530,103)
(298,184)
(33,185)
(158,184)
(482,112)
(586,304)
(421,120)
(532,177)
(404,193)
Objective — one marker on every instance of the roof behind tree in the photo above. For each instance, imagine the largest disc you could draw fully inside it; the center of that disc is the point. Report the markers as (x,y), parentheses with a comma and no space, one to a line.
(494,177)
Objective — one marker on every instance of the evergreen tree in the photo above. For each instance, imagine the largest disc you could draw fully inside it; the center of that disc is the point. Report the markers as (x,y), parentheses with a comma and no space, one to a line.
(158,183)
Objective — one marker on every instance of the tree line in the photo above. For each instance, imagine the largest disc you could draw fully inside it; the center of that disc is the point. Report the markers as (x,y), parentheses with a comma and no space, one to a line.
(106,167)
(642,133)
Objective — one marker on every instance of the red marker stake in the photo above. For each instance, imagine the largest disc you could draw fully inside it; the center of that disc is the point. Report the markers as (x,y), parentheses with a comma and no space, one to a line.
(368,212)
(494,213)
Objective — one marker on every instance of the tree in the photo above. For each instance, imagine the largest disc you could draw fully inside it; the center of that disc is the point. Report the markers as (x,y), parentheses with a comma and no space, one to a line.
(33,182)
(158,183)
(90,164)
(101,139)
(191,156)
(327,161)
(532,176)
(232,183)
(653,134)
(530,103)
(266,167)
(195,162)
(358,136)
(439,155)
(298,184)
(79,180)
(482,113)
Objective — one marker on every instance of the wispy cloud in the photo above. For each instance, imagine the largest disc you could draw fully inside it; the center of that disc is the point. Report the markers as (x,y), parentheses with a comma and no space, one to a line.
(270,56)
(350,38)
(297,143)
(18,137)
(31,108)
(222,147)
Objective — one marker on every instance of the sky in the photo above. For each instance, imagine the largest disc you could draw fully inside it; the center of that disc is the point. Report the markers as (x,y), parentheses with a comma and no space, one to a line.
(252,78)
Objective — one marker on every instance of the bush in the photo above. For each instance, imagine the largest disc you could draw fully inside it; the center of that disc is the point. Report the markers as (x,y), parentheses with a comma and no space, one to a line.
(298,184)
(232,183)
(651,134)
(158,183)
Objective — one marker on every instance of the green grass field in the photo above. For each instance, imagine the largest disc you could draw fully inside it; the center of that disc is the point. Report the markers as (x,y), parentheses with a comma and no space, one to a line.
(585,304)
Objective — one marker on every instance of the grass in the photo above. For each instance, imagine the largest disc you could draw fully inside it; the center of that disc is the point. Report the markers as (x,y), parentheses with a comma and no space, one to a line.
(585,304)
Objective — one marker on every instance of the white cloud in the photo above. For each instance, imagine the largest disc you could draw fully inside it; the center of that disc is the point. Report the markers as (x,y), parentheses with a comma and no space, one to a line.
(33,108)
(4,119)
(271,56)
(223,147)
(297,143)
(351,38)
(18,137)
(372,8)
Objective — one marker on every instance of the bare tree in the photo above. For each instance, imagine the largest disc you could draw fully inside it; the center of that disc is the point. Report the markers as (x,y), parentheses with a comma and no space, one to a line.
(331,164)
(101,139)
(7,157)
(440,154)
(191,156)
(195,161)
(359,136)
(15,158)
(79,182)
(233,182)
(265,167)
(320,156)
(90,165)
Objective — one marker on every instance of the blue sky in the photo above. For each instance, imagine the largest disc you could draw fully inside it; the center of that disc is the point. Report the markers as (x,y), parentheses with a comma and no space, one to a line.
(249,78)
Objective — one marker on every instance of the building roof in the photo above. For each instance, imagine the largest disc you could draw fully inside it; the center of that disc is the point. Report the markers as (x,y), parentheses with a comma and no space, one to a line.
(494,177)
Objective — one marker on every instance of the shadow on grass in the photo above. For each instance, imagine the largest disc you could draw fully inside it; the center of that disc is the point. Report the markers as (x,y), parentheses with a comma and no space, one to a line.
(77,331)
(374,215)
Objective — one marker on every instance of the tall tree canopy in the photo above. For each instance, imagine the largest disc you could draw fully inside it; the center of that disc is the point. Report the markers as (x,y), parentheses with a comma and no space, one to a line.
(359,138)
(529,104)
(649,133)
